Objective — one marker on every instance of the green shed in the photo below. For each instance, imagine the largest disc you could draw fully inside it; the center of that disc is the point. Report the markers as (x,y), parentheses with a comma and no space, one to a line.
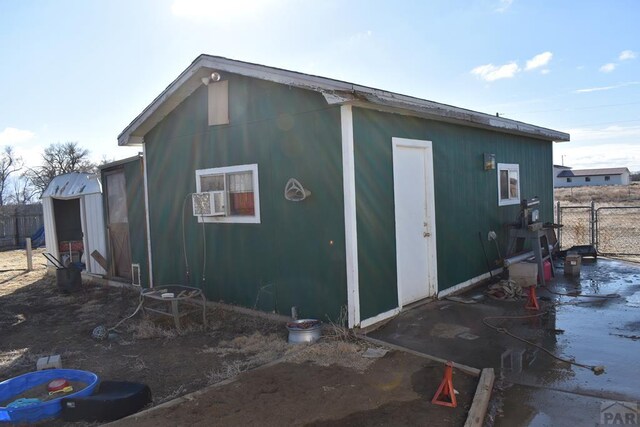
(273,189)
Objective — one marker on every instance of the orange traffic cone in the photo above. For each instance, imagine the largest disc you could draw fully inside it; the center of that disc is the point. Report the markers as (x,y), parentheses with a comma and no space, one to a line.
(446,390)
(532,301)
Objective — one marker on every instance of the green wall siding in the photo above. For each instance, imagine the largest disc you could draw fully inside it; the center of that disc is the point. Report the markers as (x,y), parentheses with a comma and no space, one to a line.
(466,197)
(296,255)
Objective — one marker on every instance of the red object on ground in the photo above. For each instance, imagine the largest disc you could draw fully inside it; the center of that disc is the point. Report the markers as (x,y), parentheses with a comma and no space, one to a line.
(446,395)
(57,385)
(532,300)
(547,270)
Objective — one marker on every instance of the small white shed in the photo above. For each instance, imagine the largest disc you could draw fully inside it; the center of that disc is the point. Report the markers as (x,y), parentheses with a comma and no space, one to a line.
(74,219)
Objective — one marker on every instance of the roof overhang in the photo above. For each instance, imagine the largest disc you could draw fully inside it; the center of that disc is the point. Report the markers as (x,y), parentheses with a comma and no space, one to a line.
(335,92)
(117,163)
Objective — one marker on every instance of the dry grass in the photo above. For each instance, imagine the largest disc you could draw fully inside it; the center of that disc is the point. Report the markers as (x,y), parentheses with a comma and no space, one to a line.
(615,194)
(145,328)
(226,371)
(327,353)
(339,330)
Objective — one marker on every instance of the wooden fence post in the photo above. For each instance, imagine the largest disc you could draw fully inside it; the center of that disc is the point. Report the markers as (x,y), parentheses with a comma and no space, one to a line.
(27,242)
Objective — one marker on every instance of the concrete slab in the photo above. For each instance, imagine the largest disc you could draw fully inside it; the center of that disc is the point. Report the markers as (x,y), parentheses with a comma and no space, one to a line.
(592,326)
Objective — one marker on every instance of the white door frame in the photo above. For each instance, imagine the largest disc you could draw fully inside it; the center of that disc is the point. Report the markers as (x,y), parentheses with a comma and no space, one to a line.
(432,260)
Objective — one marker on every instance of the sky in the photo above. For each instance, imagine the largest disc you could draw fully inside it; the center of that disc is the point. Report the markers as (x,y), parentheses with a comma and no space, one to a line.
(83,70)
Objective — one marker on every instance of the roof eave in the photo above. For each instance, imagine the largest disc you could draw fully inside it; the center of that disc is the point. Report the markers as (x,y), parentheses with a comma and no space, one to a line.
(335,92)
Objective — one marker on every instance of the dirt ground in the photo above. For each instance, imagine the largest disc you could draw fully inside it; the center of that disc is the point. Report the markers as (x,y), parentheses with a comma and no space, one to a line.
(395,390)
(328,383)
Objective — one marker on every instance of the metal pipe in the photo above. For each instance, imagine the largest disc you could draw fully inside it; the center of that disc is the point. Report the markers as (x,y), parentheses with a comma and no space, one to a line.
(518,258)
(521,257)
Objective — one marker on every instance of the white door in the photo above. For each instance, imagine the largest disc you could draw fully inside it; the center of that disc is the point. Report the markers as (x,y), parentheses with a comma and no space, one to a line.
(415,219)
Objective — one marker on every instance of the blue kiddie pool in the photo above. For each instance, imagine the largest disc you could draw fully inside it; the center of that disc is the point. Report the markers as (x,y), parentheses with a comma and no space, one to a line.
(32,410)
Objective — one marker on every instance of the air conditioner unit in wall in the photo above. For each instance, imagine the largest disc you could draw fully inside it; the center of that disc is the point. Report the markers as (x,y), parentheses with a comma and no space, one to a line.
(210,203)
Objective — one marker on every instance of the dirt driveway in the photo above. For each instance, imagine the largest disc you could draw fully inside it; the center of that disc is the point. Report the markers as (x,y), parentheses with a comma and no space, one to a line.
(328,383)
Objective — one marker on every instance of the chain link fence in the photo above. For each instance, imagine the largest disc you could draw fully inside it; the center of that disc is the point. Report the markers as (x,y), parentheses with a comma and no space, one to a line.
(612,230)
(618,230)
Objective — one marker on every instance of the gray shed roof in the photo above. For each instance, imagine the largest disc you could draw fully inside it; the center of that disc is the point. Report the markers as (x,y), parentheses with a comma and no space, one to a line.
(592,172)
(336,92)
(73,185)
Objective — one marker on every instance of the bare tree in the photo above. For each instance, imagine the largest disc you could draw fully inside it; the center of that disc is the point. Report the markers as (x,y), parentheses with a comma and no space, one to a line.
(59,159)
(9,163)
(23,192)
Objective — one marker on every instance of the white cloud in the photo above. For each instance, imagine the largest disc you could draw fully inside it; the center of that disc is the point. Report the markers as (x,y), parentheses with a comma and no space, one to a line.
(601,88)
(13,136)
(360,37)
(504,5)
(607,68)
(490,72)
(545,71)
(538,61)
(610,132)
(222,11)
(626,54)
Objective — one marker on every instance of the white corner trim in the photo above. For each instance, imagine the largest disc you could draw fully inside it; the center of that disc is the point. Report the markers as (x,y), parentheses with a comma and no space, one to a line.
(146,212)
(350,221)
(379,318)
(467,284)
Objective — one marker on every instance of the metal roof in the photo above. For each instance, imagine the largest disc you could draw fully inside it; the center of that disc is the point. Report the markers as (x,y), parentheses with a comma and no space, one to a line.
(592,172)
(73,185)
(336,92)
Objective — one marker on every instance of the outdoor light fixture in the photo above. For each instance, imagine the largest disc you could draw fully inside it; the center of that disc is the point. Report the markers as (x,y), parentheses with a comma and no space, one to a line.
(489,161)
(214,77)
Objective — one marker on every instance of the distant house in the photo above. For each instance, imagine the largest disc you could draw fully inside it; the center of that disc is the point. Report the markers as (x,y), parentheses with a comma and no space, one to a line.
(557,182)
(567,177)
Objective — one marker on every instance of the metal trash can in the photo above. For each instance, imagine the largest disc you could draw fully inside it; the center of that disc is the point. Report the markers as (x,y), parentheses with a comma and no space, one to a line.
(572,263)
(68,279)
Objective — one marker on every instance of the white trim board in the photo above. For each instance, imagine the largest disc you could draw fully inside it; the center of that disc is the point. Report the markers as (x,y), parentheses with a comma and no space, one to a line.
(449,291)
(350,220)
(379,318)
(467,284)
(146,212)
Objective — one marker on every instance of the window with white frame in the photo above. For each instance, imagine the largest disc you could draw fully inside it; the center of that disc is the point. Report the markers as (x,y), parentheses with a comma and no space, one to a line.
(233,194)
(508,184)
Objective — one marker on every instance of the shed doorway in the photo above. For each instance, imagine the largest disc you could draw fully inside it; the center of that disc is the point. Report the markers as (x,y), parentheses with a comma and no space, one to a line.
(68,227)
(415,220)
(118,225)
